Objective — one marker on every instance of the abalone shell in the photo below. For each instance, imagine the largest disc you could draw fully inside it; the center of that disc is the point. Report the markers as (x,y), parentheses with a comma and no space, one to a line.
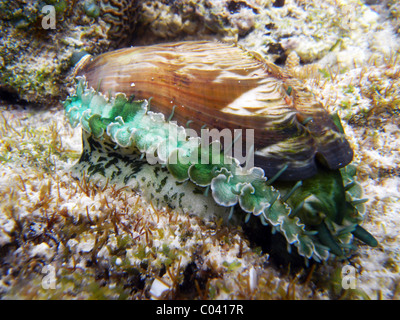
(222,86)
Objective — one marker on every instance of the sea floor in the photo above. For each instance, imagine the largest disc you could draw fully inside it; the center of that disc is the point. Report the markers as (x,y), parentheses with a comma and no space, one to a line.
(61,238)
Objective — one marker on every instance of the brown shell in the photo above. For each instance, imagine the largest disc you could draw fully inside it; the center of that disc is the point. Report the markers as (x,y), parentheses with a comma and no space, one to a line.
(223,86)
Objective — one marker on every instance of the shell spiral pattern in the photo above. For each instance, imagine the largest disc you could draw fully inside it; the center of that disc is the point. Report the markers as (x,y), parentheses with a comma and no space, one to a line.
(300,185)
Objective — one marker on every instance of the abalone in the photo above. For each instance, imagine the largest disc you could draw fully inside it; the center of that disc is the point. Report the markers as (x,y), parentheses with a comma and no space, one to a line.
(125,101)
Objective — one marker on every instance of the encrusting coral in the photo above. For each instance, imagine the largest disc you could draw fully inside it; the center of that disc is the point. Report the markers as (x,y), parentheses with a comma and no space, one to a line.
(188,19)
(36,57)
